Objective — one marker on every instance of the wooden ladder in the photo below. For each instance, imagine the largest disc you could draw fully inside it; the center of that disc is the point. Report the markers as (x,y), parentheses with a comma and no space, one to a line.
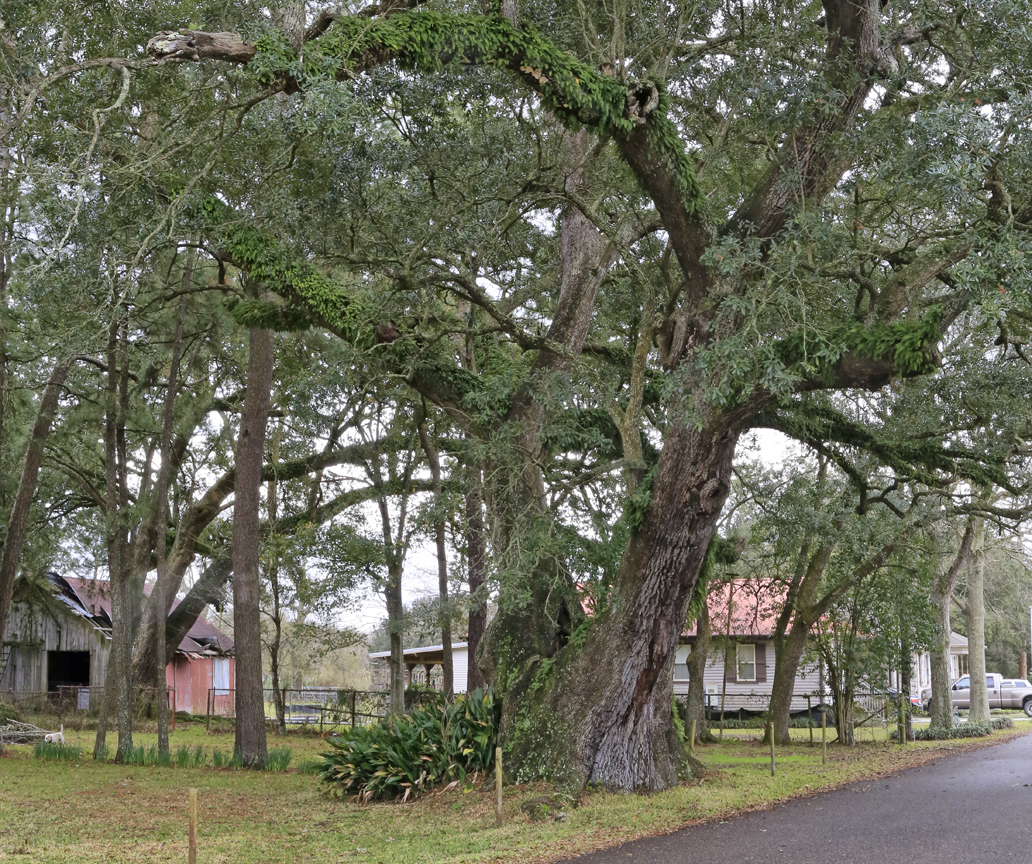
(5,657)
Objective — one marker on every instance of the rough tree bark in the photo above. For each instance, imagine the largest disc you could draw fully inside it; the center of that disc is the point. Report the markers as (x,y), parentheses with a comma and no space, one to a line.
(605,715)
(250,742)
(941,709)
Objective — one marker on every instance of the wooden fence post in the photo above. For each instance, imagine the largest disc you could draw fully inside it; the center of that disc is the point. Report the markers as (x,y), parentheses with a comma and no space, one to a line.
(824,736)
(193,827)
(498,787)
(809,717)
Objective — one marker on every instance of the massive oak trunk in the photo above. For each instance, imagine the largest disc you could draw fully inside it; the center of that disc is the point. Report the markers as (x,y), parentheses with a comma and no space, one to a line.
(601,712)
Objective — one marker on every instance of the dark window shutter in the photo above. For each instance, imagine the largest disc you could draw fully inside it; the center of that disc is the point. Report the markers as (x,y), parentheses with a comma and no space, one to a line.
(761,662)
(731,665)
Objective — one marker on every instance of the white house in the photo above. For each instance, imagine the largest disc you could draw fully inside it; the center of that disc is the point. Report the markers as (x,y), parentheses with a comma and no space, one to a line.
(921,666)
(742,615)
(423,665)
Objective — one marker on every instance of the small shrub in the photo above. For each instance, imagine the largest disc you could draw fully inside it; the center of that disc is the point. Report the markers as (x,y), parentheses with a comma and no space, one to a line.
(964,730)
(8,714)
(101,755)
(401,756)
(278,759)
(57,752)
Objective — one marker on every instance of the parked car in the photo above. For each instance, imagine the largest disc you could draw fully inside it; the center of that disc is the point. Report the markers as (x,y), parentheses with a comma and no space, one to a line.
(1003,693)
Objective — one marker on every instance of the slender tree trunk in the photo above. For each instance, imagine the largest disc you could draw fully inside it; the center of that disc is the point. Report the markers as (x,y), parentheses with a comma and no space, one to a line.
(110,516)
(941,708)
(697,660)
(434,460)
(396,624)
(787,658)
(250,744)
(160,584)
(274,669)
(905,678)
(476,563)
(18,522)
(120,575)
(274,588)
(974,611)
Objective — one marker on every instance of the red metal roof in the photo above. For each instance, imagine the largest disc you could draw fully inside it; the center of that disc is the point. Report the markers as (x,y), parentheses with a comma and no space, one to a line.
(754,607)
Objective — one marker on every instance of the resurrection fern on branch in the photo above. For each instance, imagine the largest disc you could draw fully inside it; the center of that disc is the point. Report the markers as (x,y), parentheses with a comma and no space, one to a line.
(428,41)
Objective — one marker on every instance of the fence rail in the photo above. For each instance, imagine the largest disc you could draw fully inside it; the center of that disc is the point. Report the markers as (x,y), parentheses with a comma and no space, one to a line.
(74,700)
(870,703)
(328,708)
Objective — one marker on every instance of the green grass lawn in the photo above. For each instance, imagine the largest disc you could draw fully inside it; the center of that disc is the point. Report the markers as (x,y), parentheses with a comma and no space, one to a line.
(92,812)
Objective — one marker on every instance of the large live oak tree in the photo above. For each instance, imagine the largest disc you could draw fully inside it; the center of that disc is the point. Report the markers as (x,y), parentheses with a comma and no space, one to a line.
(845,201)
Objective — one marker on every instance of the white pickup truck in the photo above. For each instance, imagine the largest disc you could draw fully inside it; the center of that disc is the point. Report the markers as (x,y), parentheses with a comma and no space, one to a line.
(1003,692)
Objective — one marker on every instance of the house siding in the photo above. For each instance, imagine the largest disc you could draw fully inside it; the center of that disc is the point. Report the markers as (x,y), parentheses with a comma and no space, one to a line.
(750,695)
(31,634)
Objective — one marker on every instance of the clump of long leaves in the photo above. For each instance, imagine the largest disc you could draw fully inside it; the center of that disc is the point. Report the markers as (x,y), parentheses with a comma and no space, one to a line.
(435,743)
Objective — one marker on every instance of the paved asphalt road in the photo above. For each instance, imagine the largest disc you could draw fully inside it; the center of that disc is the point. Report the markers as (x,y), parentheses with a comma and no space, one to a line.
(969,808)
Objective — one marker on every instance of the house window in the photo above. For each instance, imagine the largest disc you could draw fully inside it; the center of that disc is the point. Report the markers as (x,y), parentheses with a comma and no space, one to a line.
(220,675)
(746,662)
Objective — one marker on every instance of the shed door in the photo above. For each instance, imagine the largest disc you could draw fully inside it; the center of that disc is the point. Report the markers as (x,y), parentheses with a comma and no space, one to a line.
(68,669)
(220,675)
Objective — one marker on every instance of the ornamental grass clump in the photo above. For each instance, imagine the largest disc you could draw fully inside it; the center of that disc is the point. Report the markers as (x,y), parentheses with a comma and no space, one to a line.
(57,752)
(440,742)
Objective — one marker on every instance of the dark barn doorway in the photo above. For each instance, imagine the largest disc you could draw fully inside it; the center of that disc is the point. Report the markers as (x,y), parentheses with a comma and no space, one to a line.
(68,669)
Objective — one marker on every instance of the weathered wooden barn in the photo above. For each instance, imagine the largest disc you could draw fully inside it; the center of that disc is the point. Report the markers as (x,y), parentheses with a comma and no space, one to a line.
(58,641)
